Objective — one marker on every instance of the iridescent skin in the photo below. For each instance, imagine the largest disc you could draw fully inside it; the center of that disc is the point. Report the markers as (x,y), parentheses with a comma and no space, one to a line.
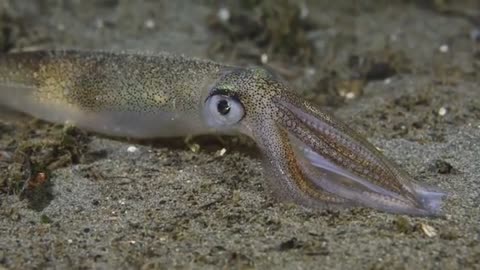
(310,158)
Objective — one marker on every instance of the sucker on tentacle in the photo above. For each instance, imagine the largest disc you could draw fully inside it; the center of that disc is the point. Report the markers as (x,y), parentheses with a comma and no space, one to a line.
(310,157)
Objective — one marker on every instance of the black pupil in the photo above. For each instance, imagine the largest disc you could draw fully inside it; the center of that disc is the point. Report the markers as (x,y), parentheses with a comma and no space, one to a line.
(223,107)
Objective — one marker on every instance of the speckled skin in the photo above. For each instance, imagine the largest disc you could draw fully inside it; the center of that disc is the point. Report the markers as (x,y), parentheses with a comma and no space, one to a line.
(108,88)
(164,95)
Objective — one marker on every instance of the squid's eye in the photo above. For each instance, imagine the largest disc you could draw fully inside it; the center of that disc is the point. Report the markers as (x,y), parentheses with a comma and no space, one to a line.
(222,110)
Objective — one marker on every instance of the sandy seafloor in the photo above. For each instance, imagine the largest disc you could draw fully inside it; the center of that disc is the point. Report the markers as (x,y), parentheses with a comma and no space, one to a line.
(167,207)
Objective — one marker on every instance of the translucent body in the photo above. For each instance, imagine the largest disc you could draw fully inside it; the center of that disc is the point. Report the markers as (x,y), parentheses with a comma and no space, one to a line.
(310,157)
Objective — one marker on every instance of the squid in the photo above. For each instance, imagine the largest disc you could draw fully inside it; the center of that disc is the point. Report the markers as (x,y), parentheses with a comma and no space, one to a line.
(310,158)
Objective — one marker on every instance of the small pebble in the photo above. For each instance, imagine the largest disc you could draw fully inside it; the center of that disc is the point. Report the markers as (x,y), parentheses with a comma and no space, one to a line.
(149,24)
(124,181)
(428,230)
(304,11)
(132,149)
(310,71)
(264,58)
(223,14)
(444,48)
(221,152)
(350,95)
(194,147)
(99,23)
(442,111)
(393,37)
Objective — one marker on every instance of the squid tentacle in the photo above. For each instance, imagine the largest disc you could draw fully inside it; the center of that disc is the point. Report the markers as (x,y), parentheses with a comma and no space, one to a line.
(329,162)
(335,135)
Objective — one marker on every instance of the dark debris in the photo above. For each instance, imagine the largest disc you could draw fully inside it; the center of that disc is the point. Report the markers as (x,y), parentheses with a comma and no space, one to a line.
(255,27)
(35,154)
(442,167)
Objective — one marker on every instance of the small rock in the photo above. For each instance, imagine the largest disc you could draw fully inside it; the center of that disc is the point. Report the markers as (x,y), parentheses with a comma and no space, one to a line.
(428,230)
(264,58)
(149,24)
(442,111)
(223,14)
(221,152)
(194,147)
(444,48)
(132,149)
